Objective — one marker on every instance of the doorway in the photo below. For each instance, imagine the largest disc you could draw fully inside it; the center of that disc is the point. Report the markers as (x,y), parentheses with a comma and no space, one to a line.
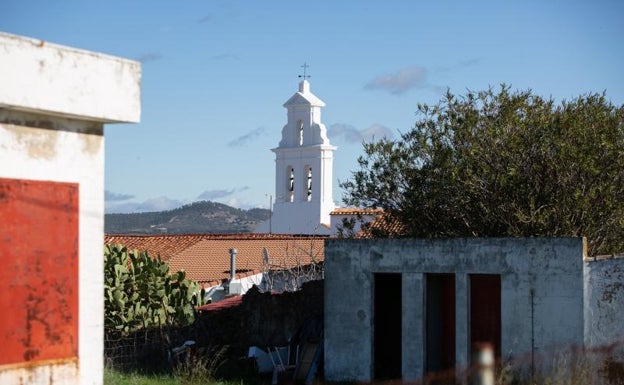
(439,323)
(485,311)
(387,326)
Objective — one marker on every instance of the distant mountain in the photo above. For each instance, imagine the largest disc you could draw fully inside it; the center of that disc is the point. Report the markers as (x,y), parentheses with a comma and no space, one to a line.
(199,217)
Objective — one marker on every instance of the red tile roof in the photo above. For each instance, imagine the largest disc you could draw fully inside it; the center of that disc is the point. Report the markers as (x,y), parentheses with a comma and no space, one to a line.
(208,261)
(206,258)
(355,211)
(382,222)
(223,304)
(386,224)
(164,245)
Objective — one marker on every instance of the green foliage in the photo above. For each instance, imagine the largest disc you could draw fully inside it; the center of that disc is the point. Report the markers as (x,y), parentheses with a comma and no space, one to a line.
(140,293)
(112,377)
(502,163)
(346,228)
(200,367)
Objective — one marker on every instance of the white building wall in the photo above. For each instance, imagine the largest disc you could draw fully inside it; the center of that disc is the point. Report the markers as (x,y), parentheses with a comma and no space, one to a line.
(53,103)
(337,220)
(220,292)
(66,81)
(303,215)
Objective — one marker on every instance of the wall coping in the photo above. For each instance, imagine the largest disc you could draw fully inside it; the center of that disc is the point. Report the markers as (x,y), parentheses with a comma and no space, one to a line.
(50,79)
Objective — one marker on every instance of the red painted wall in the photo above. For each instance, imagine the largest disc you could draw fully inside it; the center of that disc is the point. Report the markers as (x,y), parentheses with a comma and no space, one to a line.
(39,272)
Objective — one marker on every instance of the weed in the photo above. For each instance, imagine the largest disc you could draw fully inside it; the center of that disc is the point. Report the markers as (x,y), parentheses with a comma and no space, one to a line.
(200,365)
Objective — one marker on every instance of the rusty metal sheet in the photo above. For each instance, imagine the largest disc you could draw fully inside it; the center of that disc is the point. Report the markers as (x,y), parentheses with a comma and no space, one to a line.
(39,272)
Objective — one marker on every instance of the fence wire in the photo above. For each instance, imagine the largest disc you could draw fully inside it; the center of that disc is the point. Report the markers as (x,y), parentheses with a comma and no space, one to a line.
(145,350)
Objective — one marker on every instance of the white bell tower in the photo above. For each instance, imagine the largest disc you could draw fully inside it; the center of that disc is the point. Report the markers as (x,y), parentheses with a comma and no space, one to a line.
(303,168)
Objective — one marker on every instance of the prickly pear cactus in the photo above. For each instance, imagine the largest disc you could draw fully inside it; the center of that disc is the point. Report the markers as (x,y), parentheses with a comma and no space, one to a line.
(140,293)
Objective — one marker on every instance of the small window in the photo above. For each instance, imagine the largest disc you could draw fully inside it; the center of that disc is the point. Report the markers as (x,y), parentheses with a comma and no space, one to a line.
(300,125)
(309,186)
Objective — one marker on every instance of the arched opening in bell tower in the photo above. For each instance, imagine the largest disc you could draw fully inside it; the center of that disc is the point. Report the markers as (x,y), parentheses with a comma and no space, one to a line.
(290,187)
(308,173)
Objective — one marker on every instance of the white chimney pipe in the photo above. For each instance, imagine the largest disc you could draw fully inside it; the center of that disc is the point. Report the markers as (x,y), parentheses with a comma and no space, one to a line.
(233,253)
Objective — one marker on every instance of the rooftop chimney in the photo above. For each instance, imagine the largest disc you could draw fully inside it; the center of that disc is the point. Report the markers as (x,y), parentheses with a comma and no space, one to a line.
(233,253)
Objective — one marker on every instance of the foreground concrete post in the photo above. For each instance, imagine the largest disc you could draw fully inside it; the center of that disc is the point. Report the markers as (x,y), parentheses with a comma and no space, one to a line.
(54,101)
(413,327)
(483,362)
(461,323)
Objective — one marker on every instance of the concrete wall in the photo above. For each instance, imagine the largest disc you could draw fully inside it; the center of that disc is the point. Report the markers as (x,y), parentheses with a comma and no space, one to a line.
(49,79)
(541,296)
(604,305)
(54,101)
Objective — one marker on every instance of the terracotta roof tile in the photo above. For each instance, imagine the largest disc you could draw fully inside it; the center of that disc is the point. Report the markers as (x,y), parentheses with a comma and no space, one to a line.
(223,304)
(355,211)
(208,261)
(206,257)
(383,223)
(164,245)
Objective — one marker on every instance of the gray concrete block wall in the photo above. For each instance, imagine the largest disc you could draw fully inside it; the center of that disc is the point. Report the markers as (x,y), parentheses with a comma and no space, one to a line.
(541,295)
(349,305)
(604,304)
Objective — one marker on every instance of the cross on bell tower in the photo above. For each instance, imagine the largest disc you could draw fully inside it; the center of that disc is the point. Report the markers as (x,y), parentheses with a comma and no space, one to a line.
(305,75)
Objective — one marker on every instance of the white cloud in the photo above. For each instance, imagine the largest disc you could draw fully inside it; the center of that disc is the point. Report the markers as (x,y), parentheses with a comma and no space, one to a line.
(210,195)
(111,196)
(401,81)
(148,57)
(234,202)
(248,137)
(162,203)
(154,204)
(352,135)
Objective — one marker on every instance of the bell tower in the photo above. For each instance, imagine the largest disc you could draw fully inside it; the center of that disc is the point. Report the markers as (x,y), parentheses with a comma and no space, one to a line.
(303,168)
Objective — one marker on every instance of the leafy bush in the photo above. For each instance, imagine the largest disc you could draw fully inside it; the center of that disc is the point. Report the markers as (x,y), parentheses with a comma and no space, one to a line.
(501,164)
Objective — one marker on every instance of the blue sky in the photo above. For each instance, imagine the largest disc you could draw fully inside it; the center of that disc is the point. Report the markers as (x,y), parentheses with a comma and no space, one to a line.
(216,73)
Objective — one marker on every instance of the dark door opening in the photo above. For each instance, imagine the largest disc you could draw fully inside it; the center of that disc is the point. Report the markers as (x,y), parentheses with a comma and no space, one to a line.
(485,311)
(387,324)
(439,324)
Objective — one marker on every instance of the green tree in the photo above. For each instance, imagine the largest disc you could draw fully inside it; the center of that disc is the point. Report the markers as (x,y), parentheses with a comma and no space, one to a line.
(139,292)
(501,163)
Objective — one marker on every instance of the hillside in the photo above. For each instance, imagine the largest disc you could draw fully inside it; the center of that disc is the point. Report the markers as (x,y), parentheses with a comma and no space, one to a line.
(198,217)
